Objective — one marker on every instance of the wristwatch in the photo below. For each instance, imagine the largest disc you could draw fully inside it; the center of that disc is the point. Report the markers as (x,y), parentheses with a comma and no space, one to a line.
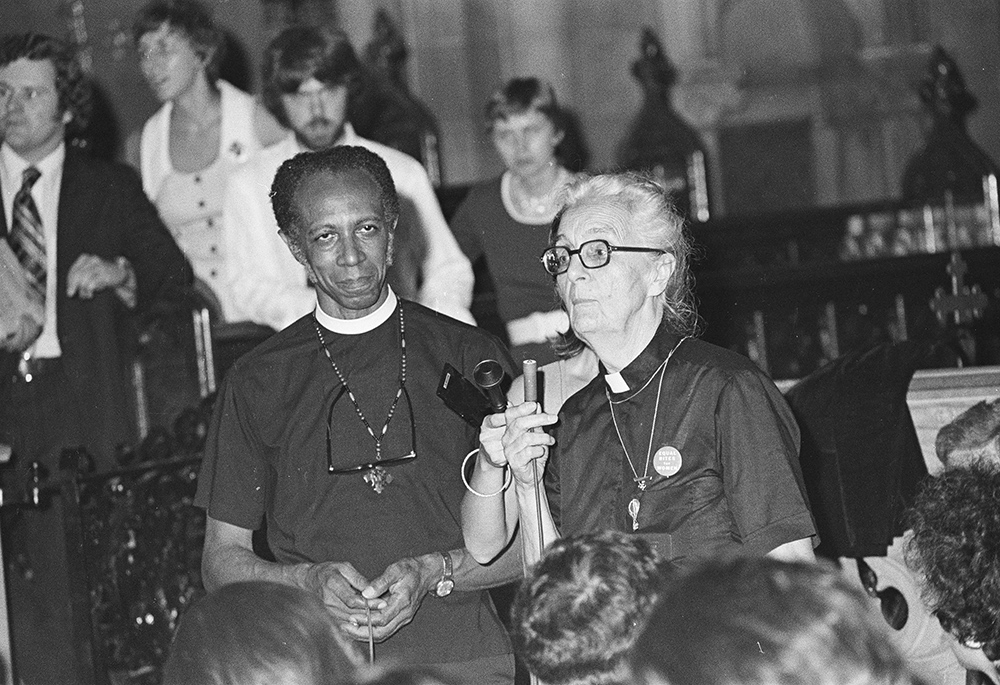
(447,583)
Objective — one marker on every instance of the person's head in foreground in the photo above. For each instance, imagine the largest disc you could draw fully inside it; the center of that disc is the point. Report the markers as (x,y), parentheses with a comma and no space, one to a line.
(578,612)
(762,622)
(620,259)
(972,435)
(259,633)
(402,675)
(337,210)
(955,547)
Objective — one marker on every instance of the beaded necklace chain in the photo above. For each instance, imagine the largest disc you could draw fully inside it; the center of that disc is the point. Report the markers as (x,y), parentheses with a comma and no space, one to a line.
(350,393)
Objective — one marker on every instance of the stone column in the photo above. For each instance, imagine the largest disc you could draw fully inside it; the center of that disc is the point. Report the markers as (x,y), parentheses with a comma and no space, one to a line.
(531,39)
(706,89)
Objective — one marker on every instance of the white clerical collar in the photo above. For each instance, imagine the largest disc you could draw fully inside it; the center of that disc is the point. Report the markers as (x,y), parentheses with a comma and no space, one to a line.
(615,382)
(368,322)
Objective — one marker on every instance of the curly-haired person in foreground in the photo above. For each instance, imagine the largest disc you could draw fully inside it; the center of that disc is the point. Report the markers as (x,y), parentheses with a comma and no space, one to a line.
(956,547)
(763,621)
(582,607)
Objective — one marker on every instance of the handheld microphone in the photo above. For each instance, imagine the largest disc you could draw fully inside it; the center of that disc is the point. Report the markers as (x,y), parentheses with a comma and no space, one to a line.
(488,375)
(529,369)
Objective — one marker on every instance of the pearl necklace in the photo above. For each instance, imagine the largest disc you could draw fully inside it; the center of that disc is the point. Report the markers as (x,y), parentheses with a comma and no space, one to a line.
(540,207)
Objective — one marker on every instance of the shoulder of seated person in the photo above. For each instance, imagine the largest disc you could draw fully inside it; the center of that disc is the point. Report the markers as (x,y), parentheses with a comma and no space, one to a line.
(394,157)
(266,127)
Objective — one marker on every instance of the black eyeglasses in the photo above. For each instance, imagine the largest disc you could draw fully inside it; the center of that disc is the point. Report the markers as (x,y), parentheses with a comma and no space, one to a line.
(593,254)
(368,466)
(895,610)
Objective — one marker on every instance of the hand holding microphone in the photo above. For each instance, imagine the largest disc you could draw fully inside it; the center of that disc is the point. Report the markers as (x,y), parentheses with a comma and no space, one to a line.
(489,376)
(507,437)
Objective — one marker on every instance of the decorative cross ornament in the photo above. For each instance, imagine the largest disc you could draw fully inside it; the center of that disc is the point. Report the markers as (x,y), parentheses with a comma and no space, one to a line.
(964,304)
(643,482)
(378,478)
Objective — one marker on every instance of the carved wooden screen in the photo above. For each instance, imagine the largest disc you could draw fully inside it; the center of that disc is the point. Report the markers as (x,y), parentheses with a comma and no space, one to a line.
(138,562)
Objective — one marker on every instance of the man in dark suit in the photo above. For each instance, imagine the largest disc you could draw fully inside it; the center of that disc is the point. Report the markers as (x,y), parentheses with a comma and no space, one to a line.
(94,249)
(91,250)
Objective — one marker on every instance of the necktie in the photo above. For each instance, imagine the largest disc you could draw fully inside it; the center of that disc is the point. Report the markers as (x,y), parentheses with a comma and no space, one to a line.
(26,237)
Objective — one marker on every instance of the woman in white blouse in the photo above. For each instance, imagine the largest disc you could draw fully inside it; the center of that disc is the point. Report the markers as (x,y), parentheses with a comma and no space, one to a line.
(205,128)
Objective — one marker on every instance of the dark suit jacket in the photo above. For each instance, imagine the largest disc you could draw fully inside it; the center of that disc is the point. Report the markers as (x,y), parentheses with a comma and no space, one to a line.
(103,211)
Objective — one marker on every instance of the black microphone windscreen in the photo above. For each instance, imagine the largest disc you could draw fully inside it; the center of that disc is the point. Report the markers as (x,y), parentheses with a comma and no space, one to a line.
(488,373)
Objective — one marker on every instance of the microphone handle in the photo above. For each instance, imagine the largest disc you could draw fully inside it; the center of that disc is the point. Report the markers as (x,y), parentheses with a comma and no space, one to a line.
(498,403)
(529,370)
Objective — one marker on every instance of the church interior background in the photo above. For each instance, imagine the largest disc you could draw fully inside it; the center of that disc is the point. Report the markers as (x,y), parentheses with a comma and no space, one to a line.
(798,102)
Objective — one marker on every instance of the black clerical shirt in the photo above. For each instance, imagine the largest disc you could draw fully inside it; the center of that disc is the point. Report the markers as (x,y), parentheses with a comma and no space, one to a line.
(722,475)
(265,458)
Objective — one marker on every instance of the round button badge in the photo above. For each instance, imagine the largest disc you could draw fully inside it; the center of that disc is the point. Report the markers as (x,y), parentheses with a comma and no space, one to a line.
(667,461)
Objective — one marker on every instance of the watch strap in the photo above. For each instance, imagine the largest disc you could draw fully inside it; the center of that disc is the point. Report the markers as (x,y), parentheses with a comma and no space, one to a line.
(448,567)
(447,583)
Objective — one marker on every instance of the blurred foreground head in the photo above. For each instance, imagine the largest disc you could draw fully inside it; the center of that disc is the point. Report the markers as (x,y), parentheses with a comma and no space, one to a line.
(972,436)
(581,608)
(255,633)
(763,621)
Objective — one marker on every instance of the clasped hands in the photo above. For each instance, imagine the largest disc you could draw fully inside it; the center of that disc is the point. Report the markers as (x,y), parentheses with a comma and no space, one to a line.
(393,597)
(90,274)
(513,439)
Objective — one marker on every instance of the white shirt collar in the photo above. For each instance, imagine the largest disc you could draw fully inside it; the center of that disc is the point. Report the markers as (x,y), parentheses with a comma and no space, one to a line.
(615,382)
(348,137)
(14,164)
(368,322)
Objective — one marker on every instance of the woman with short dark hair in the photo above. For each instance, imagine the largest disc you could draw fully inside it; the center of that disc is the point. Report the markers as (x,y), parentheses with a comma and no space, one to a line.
(505,220)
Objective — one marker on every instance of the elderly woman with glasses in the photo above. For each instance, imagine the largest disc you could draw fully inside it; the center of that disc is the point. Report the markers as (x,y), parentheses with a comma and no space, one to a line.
(683,443)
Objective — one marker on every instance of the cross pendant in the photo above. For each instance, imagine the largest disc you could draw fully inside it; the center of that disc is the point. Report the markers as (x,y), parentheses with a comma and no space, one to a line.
(378,478)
